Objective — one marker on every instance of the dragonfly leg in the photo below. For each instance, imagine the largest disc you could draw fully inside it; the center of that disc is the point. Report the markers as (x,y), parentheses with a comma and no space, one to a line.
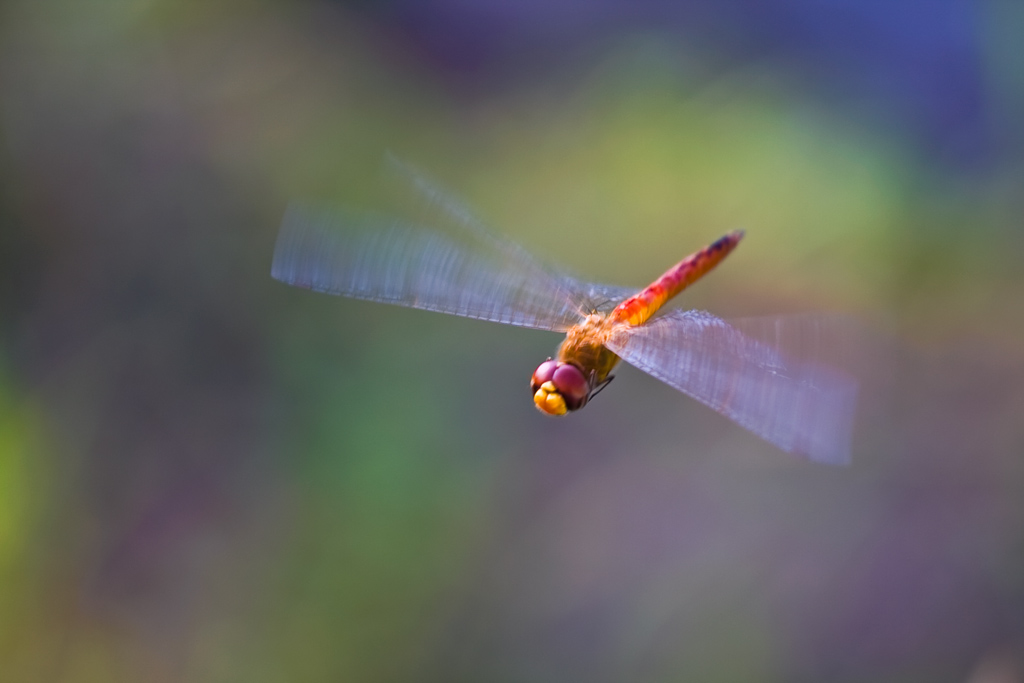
(600,387)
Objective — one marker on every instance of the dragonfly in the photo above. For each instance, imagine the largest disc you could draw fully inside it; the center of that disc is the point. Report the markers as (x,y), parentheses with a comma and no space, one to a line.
(771,375)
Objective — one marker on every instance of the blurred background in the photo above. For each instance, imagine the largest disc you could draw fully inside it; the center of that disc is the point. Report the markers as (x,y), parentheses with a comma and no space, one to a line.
(208,476)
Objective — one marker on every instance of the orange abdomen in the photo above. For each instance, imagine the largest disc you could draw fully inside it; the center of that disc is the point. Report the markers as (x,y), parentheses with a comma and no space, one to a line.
(638,309)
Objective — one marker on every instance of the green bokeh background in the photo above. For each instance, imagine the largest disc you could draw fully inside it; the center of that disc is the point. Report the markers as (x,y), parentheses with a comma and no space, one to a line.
(207,476)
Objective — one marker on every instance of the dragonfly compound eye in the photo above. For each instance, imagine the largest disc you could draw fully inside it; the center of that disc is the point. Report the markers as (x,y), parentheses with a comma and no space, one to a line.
(559,387)
(542,374)
(572,385)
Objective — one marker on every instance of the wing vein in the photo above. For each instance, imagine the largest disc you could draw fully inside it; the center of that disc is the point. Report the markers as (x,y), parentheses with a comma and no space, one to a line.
(796,402)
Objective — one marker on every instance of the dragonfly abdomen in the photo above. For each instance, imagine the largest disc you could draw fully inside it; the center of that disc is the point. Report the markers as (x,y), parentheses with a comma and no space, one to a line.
(638,309)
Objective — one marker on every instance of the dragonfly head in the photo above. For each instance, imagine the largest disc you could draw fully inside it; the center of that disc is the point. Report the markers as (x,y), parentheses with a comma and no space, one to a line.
(559,387)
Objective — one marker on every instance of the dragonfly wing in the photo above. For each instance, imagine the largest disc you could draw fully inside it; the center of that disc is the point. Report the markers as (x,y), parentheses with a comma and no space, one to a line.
(603,298)
(766,375)
(445,209)
(391,261)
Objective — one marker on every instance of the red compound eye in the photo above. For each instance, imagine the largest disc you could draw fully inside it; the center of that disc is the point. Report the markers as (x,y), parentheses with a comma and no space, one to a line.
(571,384)
(544,372)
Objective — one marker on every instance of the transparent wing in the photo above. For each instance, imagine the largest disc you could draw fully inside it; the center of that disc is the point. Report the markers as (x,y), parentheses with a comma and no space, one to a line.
(444,209)
(456,265)
(603,298)
(390,261)
(773,376)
